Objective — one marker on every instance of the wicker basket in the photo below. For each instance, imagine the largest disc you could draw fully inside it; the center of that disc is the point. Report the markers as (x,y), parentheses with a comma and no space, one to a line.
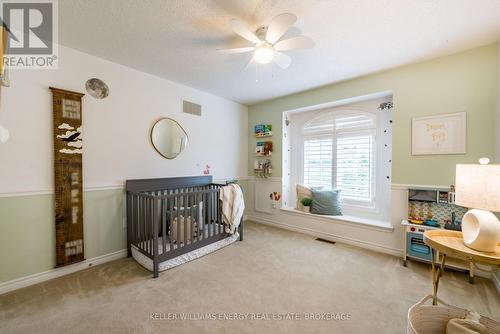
(432,319)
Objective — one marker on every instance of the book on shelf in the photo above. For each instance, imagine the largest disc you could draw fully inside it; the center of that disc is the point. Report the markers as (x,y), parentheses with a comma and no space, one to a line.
(263,130)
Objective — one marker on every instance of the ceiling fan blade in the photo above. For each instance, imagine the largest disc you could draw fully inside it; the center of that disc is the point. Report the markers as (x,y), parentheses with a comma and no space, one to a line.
(282,60)
(294,43)
(279,26)
(237,50)
(243,31)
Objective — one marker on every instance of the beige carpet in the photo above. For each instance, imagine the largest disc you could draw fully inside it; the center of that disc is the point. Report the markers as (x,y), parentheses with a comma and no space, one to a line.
(273,271)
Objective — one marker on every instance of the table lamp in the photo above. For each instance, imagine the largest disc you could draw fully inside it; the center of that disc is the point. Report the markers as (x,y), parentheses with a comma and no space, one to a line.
(478,188)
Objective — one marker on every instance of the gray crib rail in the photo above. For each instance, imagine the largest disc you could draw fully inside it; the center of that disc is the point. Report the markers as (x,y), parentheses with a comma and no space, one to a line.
(170,217)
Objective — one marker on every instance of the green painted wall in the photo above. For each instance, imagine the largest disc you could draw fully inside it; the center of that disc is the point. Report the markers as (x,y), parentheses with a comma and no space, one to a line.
(460,82)
(27,232)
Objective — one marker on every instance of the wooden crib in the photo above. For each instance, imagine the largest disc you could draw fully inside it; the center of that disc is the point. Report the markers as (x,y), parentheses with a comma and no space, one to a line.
(169,217)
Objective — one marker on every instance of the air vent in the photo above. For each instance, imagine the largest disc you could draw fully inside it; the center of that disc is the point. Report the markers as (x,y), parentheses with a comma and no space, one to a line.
(324,240)
(191,108)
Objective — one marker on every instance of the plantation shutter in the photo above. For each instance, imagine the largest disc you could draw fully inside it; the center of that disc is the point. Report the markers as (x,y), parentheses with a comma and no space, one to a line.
(338,153)
(354,164)
(318,156)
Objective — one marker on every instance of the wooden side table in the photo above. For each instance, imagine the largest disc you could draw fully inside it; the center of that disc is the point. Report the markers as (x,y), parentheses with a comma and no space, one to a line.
(450,243)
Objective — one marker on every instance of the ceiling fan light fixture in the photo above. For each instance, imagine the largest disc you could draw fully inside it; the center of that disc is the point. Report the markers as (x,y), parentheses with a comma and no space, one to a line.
(268,41)
(264,54)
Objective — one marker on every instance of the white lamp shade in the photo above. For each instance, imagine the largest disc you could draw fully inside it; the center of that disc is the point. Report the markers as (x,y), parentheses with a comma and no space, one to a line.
(478,187)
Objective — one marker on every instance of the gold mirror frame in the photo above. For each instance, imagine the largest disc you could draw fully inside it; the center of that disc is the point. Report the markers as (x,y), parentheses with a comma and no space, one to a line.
(151,136)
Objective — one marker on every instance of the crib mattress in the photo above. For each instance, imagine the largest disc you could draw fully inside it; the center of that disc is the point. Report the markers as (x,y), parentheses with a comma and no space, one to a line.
(181,259)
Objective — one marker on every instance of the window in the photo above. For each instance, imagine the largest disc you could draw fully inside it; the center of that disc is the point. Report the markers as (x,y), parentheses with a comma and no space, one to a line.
(344,146)
(354,166)
(318,162)
(339,152)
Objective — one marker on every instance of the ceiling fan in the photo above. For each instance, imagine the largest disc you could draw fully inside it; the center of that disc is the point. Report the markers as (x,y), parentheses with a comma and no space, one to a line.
(268,44)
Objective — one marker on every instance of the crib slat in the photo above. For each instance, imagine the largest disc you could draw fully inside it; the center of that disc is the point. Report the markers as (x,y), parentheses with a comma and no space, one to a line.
(155,221)
(214,194)
(148,226)
(139,220)
(170,222)
(145,220)
(134,219)
(178,223)
(143,224)
(184,214)
(217,215)
(199,222)
(148,219)
(129,221)
(195,221)
(199,214)
(163,225)
(210,201)
(221,222)
(207,215)
(204,214)
(151,223)
(193,198)
(216,212)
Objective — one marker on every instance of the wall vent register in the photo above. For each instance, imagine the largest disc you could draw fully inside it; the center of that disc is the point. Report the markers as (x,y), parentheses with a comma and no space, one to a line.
(191,108)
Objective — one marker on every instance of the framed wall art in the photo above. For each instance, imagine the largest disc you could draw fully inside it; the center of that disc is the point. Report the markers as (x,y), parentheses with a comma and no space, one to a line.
(440,134)
(67,115)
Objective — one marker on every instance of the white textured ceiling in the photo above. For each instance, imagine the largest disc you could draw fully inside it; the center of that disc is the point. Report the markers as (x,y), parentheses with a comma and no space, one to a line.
(177,39)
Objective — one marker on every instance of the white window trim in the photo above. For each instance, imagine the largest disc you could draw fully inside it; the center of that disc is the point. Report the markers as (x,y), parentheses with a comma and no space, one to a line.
(293,153)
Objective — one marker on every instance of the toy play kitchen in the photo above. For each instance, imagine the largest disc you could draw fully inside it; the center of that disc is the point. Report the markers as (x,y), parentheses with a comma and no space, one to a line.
(430,209)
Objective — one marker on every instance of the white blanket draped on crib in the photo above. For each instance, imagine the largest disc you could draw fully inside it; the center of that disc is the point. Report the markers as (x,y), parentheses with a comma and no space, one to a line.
(233,206)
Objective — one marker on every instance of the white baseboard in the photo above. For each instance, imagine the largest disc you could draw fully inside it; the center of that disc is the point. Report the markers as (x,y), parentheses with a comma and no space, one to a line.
(22,282)
(329,236)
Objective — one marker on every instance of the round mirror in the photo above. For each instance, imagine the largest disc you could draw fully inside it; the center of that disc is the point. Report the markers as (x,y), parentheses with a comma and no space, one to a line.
(168,138)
